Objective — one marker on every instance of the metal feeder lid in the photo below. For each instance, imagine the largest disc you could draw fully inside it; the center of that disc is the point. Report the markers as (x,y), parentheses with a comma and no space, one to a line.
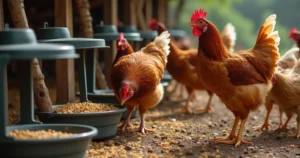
(148,34)
(177,34)
(107,32)
(62,35)
(130,33)
(22,44)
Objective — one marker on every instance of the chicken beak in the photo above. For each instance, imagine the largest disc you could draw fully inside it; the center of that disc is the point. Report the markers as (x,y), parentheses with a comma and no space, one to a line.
(192,24)
(122,102)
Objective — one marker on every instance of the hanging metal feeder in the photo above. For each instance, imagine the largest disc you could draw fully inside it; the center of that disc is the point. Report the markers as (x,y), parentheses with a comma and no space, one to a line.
(107,121)
(21,45)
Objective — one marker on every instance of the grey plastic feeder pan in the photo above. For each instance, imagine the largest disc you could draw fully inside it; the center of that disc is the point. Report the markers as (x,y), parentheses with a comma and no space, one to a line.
(21,44)
(74,146)
(106,122)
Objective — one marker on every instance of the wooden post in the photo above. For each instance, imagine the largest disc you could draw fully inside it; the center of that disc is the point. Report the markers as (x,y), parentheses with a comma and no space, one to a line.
(130,12)
(1,15)
(86,29)
(110,17)
(148,13)
(163,12)
(41,94)
(65,78)
(142,23)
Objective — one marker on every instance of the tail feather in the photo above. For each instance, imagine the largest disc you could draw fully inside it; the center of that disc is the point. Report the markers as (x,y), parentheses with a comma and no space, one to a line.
(266,47)
(229,37)
(160,47)
(163,40)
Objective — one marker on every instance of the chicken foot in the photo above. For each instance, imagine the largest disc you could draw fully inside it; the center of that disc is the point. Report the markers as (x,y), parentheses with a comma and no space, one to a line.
(232,134)
(289,116)
(142,127)
(127,123)
(208,107)
(239,139)
(266,124)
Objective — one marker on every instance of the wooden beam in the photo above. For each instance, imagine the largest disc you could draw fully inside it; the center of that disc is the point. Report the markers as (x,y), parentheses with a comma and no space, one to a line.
(65,78)
(110,18)
(1,15)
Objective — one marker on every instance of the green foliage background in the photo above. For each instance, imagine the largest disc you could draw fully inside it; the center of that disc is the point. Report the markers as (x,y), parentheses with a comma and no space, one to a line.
(246,15)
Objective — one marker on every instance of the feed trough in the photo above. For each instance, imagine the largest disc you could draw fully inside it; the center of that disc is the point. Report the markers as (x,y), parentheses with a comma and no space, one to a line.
(96,119)
(21,45)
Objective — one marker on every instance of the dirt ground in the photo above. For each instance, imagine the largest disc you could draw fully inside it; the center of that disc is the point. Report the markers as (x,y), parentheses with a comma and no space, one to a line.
(188,135)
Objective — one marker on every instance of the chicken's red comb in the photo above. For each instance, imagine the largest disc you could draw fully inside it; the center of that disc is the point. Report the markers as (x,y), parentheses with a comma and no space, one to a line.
(121,36)
(152,22)
(198,14)
(293,30)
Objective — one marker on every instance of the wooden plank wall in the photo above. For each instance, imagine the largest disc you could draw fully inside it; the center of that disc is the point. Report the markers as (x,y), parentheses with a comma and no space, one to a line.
(65,75)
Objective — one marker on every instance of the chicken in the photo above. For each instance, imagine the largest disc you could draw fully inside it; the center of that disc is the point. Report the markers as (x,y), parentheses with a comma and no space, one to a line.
(295,35)
(286,94)
(288,60)
(123,48)
(182,65)
(136,78)
(241,80)
(286,64)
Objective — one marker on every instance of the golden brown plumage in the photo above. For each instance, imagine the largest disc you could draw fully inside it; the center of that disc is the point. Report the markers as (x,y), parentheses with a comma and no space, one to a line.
(135,77)
(182,64)
(285,90)
(286,94)
(241,80)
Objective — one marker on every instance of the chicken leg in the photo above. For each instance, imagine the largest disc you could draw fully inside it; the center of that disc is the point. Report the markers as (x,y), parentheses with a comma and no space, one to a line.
(127,123)
(239,139)
(191,96)
(266,124)
(142,127)
(208,107)
(280,119)
(298,122)
(297,135)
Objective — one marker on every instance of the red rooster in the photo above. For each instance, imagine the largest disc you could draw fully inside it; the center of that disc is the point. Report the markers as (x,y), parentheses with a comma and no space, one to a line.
(135,77)
(241,80)
(182,64)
